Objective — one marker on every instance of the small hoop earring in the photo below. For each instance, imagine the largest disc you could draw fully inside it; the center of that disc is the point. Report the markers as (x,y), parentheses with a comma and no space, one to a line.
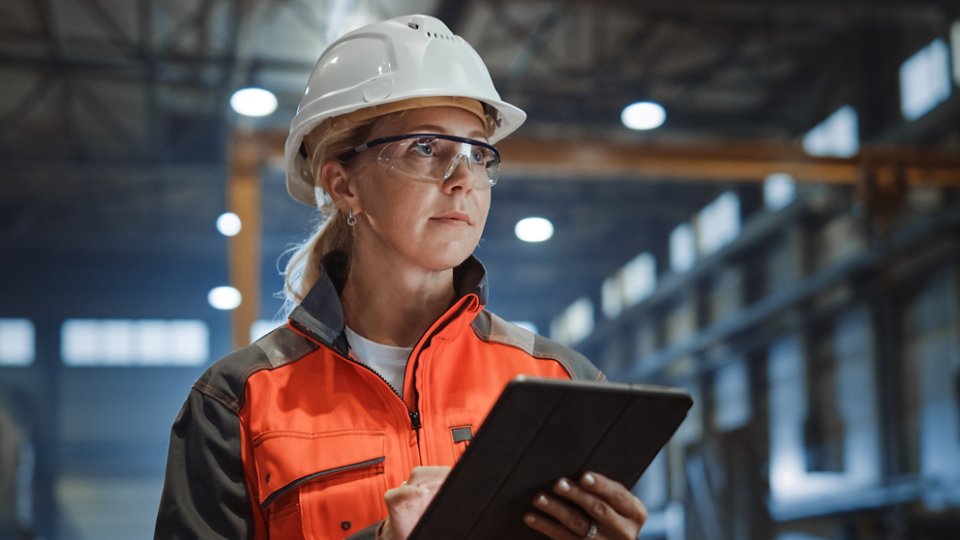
(351,219)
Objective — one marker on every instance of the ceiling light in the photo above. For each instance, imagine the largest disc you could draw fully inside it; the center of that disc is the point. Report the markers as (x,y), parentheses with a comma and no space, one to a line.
(534,229)
(643,115)
(228,224)
(253,102)
(225,298)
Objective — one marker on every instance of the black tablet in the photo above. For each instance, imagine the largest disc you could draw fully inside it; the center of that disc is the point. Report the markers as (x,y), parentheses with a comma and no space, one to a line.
(538,431)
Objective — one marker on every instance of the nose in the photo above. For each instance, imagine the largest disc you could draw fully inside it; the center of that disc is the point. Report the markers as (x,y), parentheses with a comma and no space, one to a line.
(457,177)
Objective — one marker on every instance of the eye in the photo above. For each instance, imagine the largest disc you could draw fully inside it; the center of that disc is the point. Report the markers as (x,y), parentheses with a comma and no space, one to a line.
(478,155)
(423,147)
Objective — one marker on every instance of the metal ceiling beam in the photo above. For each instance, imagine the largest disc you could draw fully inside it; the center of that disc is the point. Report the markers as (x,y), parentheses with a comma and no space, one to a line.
(131,68)
(27,104)
(112,29)
(722,161)
(535,46)
(244,195)
(190,22)
(151,94)
(452,12)
(920,13)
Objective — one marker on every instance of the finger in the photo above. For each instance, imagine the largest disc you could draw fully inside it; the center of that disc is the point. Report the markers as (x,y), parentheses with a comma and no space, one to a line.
(431,485)
(428,474)
(548,527)
(563,513)
(605,516)
(404,495)
(615,494)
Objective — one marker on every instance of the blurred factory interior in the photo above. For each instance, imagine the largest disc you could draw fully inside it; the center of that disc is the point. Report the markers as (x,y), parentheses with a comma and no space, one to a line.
(785,245)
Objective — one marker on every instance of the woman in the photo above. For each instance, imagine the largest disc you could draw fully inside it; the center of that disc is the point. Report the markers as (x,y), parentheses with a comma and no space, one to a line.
(346,420)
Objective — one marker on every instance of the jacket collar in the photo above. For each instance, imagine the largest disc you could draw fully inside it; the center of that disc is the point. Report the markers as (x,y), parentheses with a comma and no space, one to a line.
(321,313)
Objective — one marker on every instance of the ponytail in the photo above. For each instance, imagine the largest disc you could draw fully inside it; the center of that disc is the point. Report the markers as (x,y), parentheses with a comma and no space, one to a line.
(332,232)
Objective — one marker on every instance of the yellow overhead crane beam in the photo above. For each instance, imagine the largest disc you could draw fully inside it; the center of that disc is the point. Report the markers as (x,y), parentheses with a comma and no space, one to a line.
(886,168)
(742,161)
(721,160)
(244,192)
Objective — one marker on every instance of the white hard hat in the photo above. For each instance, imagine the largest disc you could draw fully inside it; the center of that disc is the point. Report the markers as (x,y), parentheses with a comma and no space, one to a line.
(414,56)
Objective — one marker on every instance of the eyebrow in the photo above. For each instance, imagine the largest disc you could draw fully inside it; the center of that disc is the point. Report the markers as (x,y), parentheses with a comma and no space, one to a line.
(476,134)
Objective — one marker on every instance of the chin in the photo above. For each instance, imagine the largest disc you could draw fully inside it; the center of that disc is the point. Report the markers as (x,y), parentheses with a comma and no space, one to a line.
(445,259)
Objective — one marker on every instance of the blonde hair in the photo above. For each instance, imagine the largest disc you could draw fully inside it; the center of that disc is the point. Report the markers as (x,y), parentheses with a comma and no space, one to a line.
(332,232)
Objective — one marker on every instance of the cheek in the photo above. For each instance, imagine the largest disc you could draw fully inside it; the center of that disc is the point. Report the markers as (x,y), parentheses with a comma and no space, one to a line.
(480,211)
(393,205)
(484,208)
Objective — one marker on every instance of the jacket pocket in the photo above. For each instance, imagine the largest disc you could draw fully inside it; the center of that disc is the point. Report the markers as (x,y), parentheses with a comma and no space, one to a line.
(320,485)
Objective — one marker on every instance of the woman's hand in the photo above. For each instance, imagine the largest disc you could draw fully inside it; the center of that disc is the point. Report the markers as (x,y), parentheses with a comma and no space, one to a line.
(593,509)
(405,504)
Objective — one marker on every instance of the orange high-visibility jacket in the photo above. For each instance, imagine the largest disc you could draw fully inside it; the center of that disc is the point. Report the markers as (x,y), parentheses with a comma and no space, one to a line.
(291,438)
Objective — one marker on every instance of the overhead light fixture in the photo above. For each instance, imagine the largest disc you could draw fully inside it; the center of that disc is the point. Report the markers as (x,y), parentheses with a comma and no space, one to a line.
(253,102)
(643,115)
(225,298)
(534,229)
(228,224)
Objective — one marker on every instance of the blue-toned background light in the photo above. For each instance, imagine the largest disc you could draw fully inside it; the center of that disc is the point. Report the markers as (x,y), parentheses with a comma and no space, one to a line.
(534,229)
(253,102)
(643,115)
(228,224)
(225,298)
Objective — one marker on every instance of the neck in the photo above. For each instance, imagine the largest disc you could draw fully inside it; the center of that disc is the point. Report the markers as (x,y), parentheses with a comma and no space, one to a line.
(392,303)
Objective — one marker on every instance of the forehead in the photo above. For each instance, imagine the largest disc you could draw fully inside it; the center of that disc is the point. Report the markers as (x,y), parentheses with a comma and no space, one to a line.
(447,120)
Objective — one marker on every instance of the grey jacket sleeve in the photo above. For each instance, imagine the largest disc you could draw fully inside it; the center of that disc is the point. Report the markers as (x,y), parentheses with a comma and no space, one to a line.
(205,492)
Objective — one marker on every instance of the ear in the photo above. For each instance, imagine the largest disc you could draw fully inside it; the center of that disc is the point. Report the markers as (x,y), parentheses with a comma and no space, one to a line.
(337,182)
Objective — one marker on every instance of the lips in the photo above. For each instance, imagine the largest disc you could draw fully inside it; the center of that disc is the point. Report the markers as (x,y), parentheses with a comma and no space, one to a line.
(452,218)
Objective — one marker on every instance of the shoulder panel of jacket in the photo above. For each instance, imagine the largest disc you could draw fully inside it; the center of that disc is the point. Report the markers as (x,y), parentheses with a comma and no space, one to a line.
(225,380)
(490,327)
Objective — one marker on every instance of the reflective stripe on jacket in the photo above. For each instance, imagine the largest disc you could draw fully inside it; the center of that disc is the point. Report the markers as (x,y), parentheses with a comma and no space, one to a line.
(290,438)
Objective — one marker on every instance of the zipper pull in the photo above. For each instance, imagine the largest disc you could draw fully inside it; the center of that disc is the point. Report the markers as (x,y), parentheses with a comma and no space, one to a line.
(415,419)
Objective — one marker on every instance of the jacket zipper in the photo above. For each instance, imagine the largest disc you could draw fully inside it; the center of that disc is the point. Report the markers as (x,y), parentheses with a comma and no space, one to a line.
(414,415)
(415,421)
(321,474)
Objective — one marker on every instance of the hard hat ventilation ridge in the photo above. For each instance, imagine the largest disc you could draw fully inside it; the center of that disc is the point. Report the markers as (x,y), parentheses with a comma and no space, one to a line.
(435,35)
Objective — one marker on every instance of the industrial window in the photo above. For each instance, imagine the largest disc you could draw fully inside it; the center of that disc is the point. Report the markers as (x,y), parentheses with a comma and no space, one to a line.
(837,136)
(718,223)
(731,390)
(124,342)
(16,342)
(683,248)
(639,278)
(925,80)
(574,324)
(955,46)
(634,282)
(611,296)
(779,190)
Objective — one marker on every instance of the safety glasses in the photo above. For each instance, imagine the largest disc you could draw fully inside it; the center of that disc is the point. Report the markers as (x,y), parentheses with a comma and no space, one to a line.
(434,157)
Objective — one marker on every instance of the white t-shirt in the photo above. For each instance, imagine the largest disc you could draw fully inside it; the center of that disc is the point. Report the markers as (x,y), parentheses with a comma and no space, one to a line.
(386,360)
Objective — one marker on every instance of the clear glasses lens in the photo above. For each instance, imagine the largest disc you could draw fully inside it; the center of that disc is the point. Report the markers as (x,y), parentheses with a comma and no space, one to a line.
(435,159)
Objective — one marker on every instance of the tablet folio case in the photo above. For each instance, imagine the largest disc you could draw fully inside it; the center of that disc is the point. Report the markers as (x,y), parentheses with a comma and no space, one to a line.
(538,431)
